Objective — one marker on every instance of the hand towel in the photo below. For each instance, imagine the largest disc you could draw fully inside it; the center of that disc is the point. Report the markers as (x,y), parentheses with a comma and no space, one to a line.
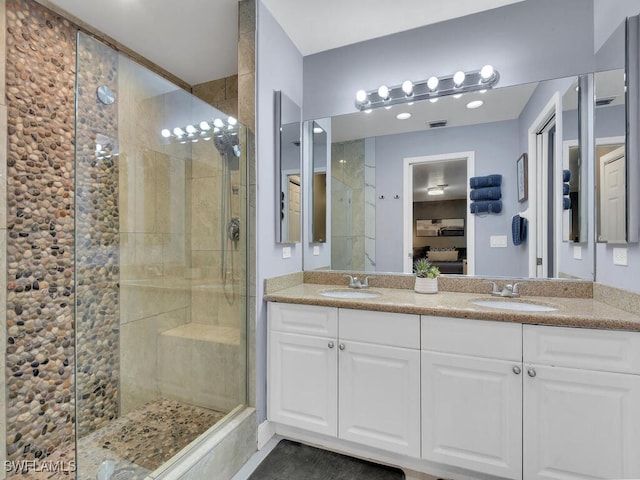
(486,193)
(518,229)
(487,181)
(566,203)
(566,175)
(486,206)
(565,189)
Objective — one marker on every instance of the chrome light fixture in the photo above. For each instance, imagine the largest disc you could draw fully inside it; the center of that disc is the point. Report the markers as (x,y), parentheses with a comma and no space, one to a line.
(203,130)
(431,88)
(439,190)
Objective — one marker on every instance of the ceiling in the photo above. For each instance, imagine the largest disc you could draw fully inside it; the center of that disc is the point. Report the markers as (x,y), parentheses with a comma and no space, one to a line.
(196,39)
(451,174)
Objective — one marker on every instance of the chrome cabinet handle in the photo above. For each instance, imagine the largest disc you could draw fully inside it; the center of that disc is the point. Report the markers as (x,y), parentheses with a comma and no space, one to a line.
(341,346)
(517,370)
(531,372)
(331,345)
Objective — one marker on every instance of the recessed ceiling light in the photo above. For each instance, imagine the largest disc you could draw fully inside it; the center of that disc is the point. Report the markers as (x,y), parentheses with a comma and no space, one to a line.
(475,104)
(457,95)
(368,110)
(342,160)
(388,107)
(433,100)
(317,130)
(403,116)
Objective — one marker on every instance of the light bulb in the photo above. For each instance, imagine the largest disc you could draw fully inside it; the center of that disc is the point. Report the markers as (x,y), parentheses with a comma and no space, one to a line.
(407,87)
(190,129)
(475,104)
(458,78)
(178,132)
(361,96)
(432,83)
(232,121)
(383,92)
(317,130)
(166,133)
(218,123)
(204,125)
(486,72)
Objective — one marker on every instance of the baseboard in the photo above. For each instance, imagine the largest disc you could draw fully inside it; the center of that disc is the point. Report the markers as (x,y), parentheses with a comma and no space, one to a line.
(266,430)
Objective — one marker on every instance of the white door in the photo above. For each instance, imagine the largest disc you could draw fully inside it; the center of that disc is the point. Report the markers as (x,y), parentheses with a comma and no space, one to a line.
(613,208)
(580,424)
(472,413)
(303,384)
(380,397)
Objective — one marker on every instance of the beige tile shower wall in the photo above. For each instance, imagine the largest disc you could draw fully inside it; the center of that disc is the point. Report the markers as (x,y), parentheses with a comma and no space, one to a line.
(155,255)
(221,93)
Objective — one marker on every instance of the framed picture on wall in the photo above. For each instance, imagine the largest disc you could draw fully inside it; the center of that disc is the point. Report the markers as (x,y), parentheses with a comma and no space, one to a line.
(523,177)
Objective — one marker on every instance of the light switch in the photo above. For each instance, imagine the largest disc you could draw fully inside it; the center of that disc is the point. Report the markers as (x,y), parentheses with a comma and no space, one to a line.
(620,256)
(577,252)
(286,252)
(498,241)
(316,250)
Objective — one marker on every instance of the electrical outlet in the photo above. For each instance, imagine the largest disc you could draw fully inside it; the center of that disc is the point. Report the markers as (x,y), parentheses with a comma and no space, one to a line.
(286,252)
(498,241)
(316,250)
(577,252)
(620,257)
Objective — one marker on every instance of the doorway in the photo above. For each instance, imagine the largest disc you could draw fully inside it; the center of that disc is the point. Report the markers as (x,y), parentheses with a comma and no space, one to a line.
(436,216)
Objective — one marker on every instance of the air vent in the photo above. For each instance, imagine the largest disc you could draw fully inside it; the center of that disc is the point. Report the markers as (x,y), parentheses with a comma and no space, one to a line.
(438,123)
(601,102)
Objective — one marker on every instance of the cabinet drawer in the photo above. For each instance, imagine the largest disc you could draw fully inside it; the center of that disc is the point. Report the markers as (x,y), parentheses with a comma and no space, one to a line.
(303,319)
(603,350)
(392,329)
(479,338)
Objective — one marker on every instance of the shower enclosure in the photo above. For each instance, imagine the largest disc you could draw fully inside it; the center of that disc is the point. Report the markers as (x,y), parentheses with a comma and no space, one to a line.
(160,266)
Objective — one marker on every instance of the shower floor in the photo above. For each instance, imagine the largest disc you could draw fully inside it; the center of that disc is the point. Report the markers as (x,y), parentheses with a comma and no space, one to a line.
(140,441)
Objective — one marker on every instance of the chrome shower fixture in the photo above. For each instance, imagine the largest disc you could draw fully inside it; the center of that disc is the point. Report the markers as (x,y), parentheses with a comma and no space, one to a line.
(205,130)
(432,88)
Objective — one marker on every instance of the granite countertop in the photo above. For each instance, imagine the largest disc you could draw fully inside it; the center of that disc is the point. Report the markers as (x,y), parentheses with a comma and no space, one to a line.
(572,312)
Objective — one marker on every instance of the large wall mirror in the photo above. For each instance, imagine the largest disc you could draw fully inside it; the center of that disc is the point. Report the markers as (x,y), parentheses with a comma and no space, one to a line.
(288,169)
(445,143)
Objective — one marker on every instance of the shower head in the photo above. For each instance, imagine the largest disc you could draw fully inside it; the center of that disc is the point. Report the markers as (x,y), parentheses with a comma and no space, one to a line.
(227,144)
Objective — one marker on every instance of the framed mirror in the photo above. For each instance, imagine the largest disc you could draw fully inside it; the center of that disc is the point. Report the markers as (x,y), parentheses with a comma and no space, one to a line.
(448,142)
(319,163)
(288,169)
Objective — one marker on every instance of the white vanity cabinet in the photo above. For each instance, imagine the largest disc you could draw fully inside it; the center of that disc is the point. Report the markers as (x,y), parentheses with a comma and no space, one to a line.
(350,374)
(472,395)
(302,384)
(581,403)
(379,380)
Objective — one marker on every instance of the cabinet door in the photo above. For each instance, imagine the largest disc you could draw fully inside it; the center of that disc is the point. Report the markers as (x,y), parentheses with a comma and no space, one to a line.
(303,384)
(380,397)
(472,413)
(580,424)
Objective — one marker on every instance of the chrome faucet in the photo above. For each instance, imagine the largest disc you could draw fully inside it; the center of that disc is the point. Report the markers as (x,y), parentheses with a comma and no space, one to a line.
(354,282)
(508,290)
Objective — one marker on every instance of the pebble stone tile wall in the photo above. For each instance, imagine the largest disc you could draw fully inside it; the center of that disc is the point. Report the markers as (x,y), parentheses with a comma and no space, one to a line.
(40,67)
(97,239)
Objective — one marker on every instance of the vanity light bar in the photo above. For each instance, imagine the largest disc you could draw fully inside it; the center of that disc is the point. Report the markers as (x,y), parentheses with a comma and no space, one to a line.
(432,88)
(204,130)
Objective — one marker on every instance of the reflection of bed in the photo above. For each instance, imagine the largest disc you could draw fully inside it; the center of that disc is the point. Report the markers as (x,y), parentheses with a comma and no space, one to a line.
(448,260)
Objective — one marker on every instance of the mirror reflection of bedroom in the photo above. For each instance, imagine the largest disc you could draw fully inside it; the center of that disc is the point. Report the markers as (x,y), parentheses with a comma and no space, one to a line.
(439,214)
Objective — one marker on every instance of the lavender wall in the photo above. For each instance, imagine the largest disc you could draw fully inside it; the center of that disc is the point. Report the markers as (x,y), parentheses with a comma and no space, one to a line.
(279,67)
(527,41)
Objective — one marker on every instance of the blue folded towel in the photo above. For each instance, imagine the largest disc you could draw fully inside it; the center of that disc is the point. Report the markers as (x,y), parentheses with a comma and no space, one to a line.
(518,229)
(566,175)
(486,193)
(487,181)
(486,206)
(566,203)
(565,189)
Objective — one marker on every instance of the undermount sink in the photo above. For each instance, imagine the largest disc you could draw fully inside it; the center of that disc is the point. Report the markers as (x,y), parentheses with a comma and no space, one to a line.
(349,293)
(521,306)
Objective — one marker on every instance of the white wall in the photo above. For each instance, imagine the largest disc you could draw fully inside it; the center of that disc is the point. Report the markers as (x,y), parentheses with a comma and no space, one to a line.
(279,67)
